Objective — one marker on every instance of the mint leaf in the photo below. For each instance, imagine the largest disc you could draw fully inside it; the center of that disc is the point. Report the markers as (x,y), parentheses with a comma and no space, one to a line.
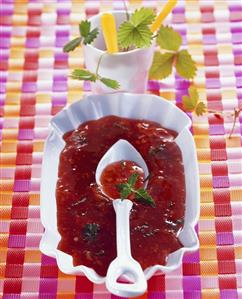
(84,28)
(132,179)
(169,39)
(185,65)
(124,190)
(81,74)
(91,36)
(110,83)
(143,196)
(86,33)
(70,46)
(161,66)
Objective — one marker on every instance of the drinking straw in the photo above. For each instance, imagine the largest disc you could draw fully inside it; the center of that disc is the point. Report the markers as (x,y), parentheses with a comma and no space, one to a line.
(108,25)
(163,14)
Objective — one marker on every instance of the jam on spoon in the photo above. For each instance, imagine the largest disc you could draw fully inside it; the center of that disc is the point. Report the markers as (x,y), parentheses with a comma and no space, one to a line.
(118,173)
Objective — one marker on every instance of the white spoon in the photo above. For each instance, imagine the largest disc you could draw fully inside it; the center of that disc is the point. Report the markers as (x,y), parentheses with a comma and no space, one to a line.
(123,264)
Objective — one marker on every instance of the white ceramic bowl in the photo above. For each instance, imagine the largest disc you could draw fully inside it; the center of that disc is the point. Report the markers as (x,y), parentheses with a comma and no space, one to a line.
(137,106)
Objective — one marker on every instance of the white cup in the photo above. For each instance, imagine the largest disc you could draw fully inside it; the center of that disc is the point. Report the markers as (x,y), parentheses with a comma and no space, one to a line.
(130,69)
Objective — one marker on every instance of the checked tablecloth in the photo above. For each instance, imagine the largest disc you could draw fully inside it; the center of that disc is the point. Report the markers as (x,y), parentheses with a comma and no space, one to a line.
(35,86)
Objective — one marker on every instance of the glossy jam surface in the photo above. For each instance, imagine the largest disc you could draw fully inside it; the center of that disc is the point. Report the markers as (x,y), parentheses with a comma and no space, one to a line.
(118,173)
(86,219)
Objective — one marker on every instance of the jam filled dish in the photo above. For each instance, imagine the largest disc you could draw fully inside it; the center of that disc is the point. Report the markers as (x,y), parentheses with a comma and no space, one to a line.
(85,215)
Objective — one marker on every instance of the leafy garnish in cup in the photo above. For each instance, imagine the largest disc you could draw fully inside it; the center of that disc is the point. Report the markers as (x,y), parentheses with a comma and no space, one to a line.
(135,33)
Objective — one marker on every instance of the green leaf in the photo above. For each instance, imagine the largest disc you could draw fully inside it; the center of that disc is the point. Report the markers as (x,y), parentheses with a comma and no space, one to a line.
(143,196)
(144,16)
(190,102)
(72,44)
(200,109)
(84,28)
(132,179)
(169,39)
(82,74)
(124,190)
(135,32)
(185,65)
(88,36)
(137,36)
(110,83)
(161,66)
(91,36)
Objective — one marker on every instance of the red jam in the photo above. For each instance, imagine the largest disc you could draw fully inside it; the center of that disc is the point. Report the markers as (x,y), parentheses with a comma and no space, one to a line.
(117,173)
(86,218)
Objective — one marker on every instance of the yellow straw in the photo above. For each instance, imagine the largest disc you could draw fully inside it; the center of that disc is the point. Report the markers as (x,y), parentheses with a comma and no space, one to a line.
(109,32)
(163,14)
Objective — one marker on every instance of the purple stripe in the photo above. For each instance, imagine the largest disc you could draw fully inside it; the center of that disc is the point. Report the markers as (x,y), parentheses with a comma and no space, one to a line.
(231,294)
(192,295)
(47,260)
(16,241)
(21,186)
(58,100)
(193,257)
(48,286)
(156,295)
(235,8)
(6,34)
(59,86)
(225,238)
(236,38)
(213,83)
(216,130)
(191,283)
(236,30)
(209,39)
(29,87)
(238,82)
(85,296)
(32,42)
(179,9)
(11,296)
(26,134)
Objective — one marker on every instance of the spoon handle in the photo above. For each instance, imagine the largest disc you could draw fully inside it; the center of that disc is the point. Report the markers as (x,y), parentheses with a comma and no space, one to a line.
(124,264)
(122,209)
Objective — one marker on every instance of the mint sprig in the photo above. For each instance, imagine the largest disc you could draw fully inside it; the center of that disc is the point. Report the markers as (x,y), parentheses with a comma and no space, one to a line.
(140,194)
(85,75)
(87,36)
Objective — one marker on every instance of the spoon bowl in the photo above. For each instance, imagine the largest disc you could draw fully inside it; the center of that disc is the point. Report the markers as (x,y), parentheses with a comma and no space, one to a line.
(121,150)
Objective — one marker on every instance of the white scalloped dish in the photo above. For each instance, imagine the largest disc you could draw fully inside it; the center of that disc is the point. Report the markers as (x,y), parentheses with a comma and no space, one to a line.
(136,106)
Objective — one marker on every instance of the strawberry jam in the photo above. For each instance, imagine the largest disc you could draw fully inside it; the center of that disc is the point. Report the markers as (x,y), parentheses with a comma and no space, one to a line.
(86,218)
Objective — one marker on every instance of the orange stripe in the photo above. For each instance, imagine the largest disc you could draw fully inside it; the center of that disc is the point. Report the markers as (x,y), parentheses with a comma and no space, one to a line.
(210,294)
(209,268)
